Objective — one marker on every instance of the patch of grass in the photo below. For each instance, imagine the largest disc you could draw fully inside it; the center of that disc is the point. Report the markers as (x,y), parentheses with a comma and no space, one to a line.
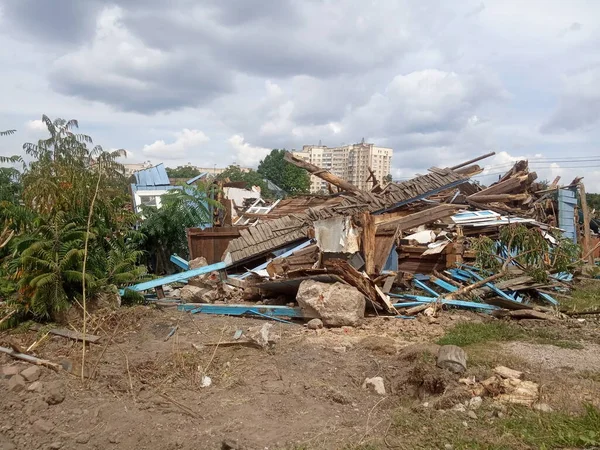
(585,297)
(555,430)
(522,428)
(469,333)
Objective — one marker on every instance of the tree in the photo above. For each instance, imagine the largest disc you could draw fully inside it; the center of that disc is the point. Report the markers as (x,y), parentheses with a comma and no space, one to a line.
(164,229)
(287,176)
(251,178)
(65,181)
(593,201)
(387,178)
(186,172)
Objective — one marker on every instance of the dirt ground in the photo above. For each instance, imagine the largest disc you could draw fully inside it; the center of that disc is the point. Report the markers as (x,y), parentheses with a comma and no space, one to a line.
(143,391)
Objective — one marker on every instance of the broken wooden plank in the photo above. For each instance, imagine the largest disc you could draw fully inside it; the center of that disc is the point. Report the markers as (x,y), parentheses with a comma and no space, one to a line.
(71,334)
(30,359)
(320,173)
(420,218)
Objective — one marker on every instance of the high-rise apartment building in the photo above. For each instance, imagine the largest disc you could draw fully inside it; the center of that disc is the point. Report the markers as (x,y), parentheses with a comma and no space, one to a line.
(349,162)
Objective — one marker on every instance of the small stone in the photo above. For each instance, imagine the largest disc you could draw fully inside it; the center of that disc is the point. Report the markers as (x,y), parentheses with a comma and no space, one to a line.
(475,402)
(314,324)
(9,371)
(54,394)
(543,407)
(375,384)
(67,365)
(340,349)
(16,383)
(82,438)
(459,407)
(36,386)
(500,415)
(42,426)
(448,447)
(472,415)
(32,373)
(113,439)
(55,445)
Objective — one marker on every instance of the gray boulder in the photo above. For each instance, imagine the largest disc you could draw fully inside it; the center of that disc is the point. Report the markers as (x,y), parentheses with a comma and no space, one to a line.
(335,304)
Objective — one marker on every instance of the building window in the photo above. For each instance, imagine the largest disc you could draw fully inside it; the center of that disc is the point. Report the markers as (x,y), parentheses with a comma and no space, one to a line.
(148,200)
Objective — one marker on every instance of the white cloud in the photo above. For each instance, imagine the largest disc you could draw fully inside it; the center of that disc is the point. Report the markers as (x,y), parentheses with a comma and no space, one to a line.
(580,102)
(246,155)
(36,125)
(185,143)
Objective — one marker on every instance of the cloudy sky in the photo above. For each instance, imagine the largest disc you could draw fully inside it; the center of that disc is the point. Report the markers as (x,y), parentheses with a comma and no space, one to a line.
(213,82)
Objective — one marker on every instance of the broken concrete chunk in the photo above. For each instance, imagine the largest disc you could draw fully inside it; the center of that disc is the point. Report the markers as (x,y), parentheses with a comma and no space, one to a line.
(54,394)
(16,383)
(9,371)
(543,407)
(36,386)
(193,294)
(314,324)
(452,358)
(375,384)
(475,402)
(196,263)
(506,372)
(260,334)
(32,373)
(336,304)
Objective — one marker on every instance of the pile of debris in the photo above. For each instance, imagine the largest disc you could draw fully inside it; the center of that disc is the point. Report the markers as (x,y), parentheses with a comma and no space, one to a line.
(398,249)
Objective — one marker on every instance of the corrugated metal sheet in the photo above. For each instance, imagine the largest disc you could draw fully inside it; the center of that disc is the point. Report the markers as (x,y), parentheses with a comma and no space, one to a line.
(196,178)
(567,201)
(153,176)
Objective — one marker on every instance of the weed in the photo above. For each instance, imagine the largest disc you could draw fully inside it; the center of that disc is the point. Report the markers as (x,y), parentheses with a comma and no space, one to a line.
(468,333)
(522,428)
(585,298)
(555,430)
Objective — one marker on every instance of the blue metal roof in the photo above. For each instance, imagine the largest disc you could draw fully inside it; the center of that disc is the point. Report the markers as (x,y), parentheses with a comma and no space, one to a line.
(153,176)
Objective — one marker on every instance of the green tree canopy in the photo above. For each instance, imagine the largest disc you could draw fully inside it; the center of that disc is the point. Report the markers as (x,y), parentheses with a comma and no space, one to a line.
(285,175)
(64,181)
(251,178)
(593,201)
(183,172)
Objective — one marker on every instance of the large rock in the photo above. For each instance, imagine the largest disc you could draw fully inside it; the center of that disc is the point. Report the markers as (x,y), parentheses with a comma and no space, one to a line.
(336,304)
(193,294)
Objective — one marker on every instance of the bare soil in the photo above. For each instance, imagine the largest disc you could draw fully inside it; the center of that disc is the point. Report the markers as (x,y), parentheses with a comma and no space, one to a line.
(144,392)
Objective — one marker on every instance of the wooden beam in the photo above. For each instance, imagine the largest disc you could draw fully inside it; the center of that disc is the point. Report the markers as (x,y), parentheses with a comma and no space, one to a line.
(587,242)
(420,218)
(502,198)
(368,242)
(471,161)
(321,173)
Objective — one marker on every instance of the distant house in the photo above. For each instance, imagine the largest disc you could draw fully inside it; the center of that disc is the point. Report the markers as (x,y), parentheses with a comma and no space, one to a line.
(150,184)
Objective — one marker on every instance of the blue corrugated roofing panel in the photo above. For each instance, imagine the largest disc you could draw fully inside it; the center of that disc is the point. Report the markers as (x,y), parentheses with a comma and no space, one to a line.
(153,176)
(566,212)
